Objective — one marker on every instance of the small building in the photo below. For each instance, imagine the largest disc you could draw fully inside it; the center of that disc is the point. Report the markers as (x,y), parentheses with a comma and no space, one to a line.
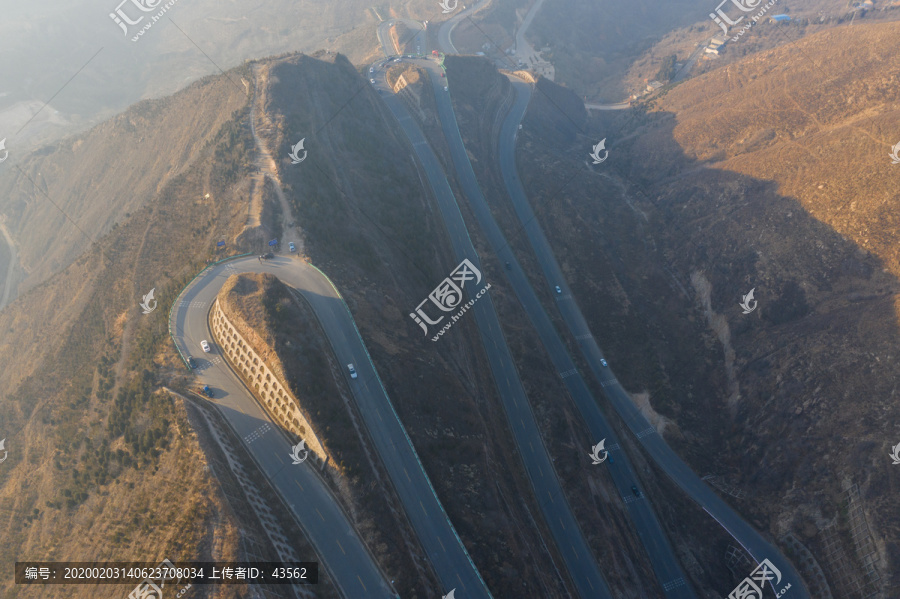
(716,49)
(717,41)
(653,86)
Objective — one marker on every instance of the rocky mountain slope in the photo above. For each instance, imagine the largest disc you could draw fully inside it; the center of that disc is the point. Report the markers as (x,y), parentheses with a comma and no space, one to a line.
(770,174)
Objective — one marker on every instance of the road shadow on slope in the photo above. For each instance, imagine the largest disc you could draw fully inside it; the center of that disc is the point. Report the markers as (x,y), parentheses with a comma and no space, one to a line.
(662,246)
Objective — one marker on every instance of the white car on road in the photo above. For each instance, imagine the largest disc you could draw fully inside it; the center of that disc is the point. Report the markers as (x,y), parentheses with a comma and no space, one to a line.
(292,247)
(205,345)
(352,371)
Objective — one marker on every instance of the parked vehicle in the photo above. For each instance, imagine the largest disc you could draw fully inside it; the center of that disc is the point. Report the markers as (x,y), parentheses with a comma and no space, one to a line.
(292,247)
(205,345)
(205,390)
(191,362)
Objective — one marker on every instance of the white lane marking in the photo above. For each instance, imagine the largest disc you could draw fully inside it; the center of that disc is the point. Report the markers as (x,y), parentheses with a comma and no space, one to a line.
(673,584)
(645,432)
(258,433)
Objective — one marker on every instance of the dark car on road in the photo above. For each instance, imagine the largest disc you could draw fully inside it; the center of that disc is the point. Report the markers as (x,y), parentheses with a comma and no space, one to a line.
(191,362)
(634,490)
(268,256)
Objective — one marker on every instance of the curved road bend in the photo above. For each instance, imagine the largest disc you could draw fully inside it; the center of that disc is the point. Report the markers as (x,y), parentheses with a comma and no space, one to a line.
(317,510)
(653,443)
(662,557)
(337,544)
(447,27)
(558,515)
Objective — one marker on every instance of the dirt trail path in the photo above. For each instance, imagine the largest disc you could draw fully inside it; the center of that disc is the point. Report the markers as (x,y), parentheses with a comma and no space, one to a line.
(268,168)
(10,268)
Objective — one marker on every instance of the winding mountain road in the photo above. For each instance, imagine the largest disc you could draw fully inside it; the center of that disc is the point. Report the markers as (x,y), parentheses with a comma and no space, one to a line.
(315,508)
(580,562)
(328,528)
(670,577)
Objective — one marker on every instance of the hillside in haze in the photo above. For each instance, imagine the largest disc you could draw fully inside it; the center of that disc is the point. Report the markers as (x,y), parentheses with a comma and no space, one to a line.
(56,201)
(59,40)
(769,174)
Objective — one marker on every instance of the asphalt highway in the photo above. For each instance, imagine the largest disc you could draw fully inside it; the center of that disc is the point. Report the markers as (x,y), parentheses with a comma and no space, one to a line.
(336,542)
(579,559)
(317,510)
(671,578)
(652,442)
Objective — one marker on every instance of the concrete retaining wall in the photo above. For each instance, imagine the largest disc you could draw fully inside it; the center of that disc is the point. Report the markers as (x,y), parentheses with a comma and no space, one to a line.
(271,392)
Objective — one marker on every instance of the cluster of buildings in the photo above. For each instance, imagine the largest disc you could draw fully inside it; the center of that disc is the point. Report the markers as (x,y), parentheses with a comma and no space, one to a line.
(716,46)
